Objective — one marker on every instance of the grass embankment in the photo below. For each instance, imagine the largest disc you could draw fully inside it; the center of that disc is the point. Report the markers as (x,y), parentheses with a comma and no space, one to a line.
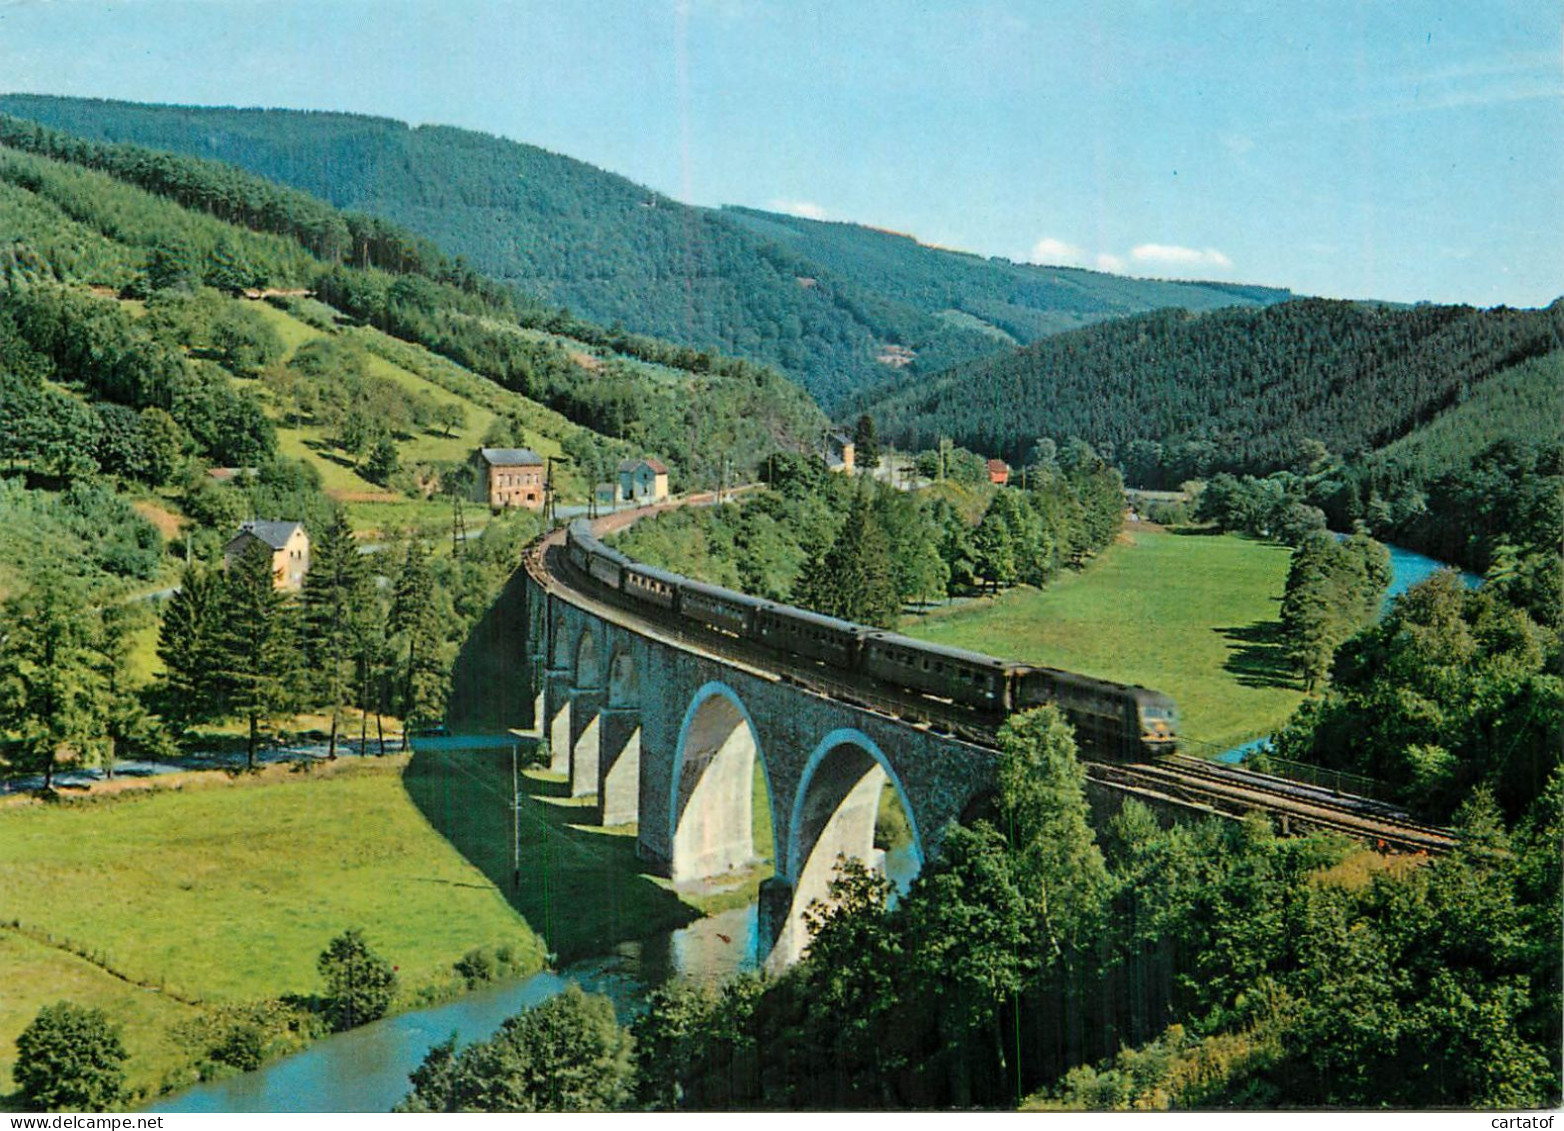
(1193,615)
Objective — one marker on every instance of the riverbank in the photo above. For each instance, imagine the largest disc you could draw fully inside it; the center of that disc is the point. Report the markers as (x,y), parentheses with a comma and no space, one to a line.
(158,901)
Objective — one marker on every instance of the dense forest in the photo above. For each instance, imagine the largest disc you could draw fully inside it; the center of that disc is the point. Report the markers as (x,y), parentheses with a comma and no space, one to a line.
(1176,396)
(820,302)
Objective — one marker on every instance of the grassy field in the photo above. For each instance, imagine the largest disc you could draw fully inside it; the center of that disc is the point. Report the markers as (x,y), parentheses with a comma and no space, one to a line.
(210,889)
(226,889)
(1189,614)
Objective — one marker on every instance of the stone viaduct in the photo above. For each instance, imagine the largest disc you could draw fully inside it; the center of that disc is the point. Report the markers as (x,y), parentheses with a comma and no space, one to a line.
(667,734)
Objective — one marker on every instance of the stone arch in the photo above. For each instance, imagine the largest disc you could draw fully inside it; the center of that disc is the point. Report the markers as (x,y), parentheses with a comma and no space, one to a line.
(833,814)
(588,669)
(710,814)
(623,679)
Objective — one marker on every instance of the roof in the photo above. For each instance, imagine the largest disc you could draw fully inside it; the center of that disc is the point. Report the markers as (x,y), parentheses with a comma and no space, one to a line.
(631,464)
(510,457)
(998,465)
(274,534)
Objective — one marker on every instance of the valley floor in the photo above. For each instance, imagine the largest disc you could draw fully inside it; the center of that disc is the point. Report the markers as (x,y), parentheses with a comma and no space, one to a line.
(1191,614)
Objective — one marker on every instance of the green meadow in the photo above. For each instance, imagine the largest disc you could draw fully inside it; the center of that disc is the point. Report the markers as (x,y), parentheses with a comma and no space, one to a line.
(1191,614)
(209,889)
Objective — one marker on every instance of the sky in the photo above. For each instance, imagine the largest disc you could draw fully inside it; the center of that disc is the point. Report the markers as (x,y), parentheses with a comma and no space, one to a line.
(1401,151)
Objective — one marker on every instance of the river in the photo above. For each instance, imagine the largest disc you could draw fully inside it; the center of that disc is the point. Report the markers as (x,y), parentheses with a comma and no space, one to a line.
(366,1069)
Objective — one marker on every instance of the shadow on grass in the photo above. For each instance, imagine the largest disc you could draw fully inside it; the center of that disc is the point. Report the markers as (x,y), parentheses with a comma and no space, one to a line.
(1257,655)
(581,889)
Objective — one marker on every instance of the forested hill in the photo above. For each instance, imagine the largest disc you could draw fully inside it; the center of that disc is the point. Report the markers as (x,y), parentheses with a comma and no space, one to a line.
(635,391)
(834,306)
(1015,301)
(1176,395)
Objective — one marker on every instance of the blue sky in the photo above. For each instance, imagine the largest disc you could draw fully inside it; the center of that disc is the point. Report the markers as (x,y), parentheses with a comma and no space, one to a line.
(1402,151)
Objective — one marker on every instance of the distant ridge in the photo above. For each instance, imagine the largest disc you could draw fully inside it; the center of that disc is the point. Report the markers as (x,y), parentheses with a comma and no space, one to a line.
(617,252)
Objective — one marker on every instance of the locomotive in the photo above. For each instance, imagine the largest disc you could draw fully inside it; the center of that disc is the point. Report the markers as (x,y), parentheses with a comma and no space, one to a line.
(1111,720)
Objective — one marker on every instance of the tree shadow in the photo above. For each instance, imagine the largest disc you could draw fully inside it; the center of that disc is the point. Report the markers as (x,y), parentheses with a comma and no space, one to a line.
(580,888)
(1257,655)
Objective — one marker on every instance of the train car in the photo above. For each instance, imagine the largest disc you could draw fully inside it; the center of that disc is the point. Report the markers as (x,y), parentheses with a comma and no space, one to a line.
(1111,720)
(721,609)
(608,566)
(968,678)
(578,544)
(837,643)
(651,585)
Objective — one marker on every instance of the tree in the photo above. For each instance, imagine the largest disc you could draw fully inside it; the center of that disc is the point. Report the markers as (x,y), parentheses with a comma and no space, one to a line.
(360,985)
(70,1058)
(1043,807)
(187,645)
(383,461)
(414,617)
(336,591)
(246,343)
(568,1054)
(866,446)
(49,685)
(256,643)
(994,543)
(853,578)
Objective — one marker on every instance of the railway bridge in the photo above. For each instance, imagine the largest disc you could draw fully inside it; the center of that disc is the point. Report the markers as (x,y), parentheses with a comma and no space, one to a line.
(668,734)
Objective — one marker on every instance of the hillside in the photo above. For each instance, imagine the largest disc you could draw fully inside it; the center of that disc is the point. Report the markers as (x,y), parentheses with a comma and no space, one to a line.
(835,306)
(108,215)
(1174,395)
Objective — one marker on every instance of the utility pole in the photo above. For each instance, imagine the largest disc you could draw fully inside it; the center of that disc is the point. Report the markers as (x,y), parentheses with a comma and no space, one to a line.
(548,490)
(458,525)
(515,823)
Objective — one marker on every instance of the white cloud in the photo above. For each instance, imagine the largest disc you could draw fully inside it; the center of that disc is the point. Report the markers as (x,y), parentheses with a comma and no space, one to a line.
(1171,255)
(807,209)
(1113,264)
(1057,253)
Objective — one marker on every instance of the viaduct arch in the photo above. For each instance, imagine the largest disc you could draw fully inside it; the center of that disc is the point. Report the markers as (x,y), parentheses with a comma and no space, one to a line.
(669,736)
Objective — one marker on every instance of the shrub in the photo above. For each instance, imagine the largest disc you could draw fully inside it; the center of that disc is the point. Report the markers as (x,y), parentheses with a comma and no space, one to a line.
(359,983)
(70,1058)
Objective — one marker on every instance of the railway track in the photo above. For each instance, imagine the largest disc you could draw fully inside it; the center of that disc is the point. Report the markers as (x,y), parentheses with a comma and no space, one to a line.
(1189,782)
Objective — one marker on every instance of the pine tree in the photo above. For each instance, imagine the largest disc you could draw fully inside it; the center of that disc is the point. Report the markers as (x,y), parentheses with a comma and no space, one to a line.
(414,618)
(257,644)
(49,686)
(853,580)
(336,591)
(187,645)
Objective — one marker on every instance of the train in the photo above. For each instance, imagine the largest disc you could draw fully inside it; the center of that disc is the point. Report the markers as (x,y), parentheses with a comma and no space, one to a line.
(1111,720)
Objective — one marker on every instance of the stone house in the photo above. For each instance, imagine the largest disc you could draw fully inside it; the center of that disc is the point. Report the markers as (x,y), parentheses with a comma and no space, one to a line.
(510,477)
(288,543)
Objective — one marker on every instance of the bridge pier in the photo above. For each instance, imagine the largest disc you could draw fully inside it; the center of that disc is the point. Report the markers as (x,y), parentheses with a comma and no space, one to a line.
(586,712)
(830,823)
(619,766)
(556,717)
